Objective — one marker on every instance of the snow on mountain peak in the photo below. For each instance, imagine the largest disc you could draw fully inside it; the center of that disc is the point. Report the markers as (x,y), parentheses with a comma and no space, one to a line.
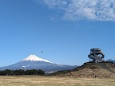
(35,58)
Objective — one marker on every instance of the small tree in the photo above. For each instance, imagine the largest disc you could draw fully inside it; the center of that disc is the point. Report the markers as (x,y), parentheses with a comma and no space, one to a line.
(7,72)
(41,72)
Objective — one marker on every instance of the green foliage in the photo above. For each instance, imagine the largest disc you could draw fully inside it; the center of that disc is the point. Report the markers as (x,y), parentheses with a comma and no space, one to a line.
(22,72)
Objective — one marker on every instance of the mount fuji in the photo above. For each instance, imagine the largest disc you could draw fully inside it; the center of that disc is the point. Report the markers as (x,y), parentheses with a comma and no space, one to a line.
(34,62)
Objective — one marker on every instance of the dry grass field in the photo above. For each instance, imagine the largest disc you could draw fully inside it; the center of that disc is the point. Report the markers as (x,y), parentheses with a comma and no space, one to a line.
(53,81)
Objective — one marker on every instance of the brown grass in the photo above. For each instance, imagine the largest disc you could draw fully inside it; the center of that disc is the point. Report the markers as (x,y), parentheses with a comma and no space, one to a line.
(53,81)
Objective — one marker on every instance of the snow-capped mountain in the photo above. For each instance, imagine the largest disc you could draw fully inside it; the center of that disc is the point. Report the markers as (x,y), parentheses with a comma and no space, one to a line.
(34,62)
(35,58)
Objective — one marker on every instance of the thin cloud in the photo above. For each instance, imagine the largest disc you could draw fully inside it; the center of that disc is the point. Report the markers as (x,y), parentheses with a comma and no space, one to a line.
(99,10)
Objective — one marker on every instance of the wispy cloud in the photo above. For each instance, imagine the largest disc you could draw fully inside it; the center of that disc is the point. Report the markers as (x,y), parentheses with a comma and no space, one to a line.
(100,10)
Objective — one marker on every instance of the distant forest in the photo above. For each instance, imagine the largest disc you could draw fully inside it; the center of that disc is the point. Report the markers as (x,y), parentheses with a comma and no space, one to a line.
(8,72)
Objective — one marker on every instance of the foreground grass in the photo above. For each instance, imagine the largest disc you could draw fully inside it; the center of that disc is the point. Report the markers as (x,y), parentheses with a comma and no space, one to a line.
(53,81)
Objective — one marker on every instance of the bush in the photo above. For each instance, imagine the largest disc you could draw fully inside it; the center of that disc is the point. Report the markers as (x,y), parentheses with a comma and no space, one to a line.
(22,72)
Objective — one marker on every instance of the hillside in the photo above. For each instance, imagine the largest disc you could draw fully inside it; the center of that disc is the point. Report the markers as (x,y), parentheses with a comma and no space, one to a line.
(91,70)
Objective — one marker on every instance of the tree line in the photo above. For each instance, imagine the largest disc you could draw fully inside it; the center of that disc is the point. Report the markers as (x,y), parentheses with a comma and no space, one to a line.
(22,72)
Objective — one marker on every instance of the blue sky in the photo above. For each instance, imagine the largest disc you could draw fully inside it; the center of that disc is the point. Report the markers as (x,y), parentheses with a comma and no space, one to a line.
(65,30)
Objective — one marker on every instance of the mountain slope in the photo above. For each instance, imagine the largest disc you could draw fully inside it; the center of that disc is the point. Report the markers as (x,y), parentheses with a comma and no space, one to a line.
(92,70)
(34,62)
(110,60)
